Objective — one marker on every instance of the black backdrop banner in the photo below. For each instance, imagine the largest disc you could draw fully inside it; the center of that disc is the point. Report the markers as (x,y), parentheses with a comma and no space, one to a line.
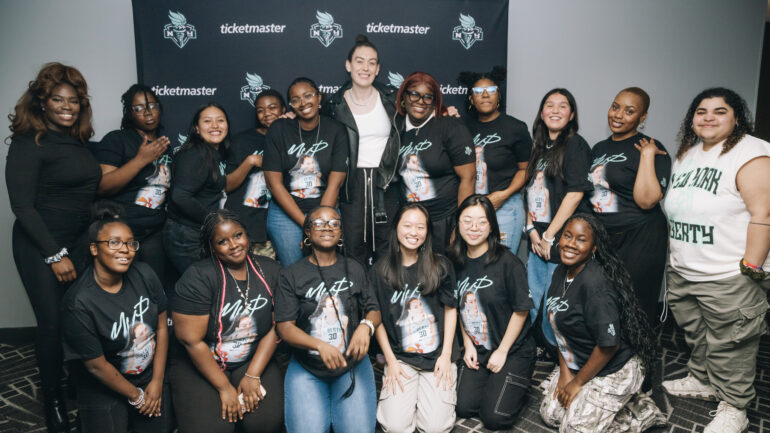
(192,52)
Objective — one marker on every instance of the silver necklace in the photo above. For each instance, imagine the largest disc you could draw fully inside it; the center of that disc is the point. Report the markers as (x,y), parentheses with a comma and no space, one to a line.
(567,283)
(245,297)
(368,101)
(317,134)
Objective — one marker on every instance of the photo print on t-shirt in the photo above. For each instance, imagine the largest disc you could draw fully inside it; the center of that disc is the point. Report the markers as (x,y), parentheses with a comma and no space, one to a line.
(419,330)
(538,195)
(417,180)
(139,338)
(554,306)
(240,330)
(154,194)
(482,182)
(306,181)
(257,194)
(603,199)
(325,325)
(472,313)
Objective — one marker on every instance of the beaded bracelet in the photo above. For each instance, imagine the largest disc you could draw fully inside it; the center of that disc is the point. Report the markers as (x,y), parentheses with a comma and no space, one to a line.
(139,401)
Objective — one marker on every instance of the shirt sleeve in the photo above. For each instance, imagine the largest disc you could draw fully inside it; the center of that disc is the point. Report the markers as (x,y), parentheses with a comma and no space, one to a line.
(522,143)
(79,336)
(188,180)
(458,142)
(22,170)
(577,162)
(368,297)
(271,160)
(234,156)
(448,286)
(192,293)
(340,152)
(517,289)
(602,315)
(154,286)
(286,302)
(111,150)
(663,168)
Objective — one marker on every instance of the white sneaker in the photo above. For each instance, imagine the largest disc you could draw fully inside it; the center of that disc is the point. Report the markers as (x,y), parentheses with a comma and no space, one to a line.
(690,387)
(727,419)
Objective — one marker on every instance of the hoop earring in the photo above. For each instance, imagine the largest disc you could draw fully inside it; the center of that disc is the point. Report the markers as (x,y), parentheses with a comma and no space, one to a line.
(306,242)
(642,124)
(593,255)
(403,104)
(340,243)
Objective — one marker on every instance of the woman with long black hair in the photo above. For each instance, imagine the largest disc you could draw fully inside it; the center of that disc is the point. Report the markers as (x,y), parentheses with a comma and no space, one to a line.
(198,184)
(606,345)
(52,179)
(556,186)
(223,316)
(325,310)
(114,325)
(305,164)
(494,303)
(415,288)
(502,145)
(136,172)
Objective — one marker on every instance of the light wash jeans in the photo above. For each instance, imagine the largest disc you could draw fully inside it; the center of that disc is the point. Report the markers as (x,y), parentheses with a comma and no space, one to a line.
(314,404)
(511,218)
(285,234)
(539,274)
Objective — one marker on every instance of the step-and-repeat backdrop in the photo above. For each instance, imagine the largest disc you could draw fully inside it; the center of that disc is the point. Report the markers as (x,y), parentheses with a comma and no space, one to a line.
(191,52)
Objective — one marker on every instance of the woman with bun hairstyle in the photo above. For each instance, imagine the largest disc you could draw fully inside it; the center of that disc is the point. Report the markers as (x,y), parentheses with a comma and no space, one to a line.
(136,172)
(503,145)
(198,185)
(115,328)
(51,178)
(436,158)
(223,316)
(415,289)
(494,303)
(326,311)
(630,174)
(718,208)
(305,164)
(556,185)
(247,192)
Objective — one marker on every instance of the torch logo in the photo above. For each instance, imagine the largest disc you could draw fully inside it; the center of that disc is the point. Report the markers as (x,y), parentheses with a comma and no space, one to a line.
(325,30)
(179,31)
(467,33)
(254,86)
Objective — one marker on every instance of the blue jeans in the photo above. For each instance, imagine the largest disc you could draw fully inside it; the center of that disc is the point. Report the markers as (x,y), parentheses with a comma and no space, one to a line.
(539,274)
(285,234)
(510,218)
(181,244)
(313,404)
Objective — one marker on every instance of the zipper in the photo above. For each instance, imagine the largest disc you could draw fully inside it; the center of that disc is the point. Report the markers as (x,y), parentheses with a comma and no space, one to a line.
(398,152)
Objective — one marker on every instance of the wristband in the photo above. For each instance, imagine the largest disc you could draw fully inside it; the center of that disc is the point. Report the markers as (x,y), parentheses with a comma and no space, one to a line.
(549,241)
(756,273)
(56,258)
(252,377)
(139,401)
(529,228)
(368,323)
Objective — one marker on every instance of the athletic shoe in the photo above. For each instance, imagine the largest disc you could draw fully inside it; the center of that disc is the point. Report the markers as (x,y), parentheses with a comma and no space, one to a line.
(690,387)
(727,419)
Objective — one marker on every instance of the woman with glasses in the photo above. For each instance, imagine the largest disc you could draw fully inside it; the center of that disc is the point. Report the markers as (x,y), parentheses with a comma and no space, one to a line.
(223,316)
(114,326)
(494,303)
(136,171)
(327,313)
(436,158)
(502,144)
(52,179)
(415,289)
(305,164)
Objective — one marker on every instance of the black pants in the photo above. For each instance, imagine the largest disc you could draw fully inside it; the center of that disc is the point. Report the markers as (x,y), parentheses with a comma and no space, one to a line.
(366,249)
(45,294)
(643,250)
(441,231)
(105,411)
(496,398)
(181,245)
(151,251)
(199,409)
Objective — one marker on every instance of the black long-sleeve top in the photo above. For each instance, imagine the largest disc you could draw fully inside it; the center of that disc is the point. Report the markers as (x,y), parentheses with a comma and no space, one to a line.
(51,187)
(196,188)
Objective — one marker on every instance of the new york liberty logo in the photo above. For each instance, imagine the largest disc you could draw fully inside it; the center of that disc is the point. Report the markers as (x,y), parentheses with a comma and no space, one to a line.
(182,139)
(253,88)
(325,30)
(179,31)
(395,79)
(467,33)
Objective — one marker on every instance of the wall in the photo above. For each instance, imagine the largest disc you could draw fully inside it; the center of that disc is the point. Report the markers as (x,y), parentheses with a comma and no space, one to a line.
(672,49)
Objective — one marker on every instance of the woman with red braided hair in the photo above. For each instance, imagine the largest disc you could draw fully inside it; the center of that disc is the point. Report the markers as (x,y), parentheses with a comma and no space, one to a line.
(223,316)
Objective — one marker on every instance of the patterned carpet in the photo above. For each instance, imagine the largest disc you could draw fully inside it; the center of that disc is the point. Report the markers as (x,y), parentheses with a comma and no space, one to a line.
(20,410)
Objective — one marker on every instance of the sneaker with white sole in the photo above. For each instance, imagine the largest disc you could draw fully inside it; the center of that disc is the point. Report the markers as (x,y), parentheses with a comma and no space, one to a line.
(727,419)
(690,387)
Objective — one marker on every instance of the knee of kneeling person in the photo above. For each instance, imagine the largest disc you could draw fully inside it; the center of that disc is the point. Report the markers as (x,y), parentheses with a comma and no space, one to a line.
(496,420)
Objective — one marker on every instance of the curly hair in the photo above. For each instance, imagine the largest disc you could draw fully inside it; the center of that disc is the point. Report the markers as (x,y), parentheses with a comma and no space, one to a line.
(28,114)
(468,79)
(414,79)
(542,147)
(635,328)
(127,99)
(744,125)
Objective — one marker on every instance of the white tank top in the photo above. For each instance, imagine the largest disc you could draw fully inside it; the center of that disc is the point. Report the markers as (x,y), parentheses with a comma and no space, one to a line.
(706,214)
(373,132)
